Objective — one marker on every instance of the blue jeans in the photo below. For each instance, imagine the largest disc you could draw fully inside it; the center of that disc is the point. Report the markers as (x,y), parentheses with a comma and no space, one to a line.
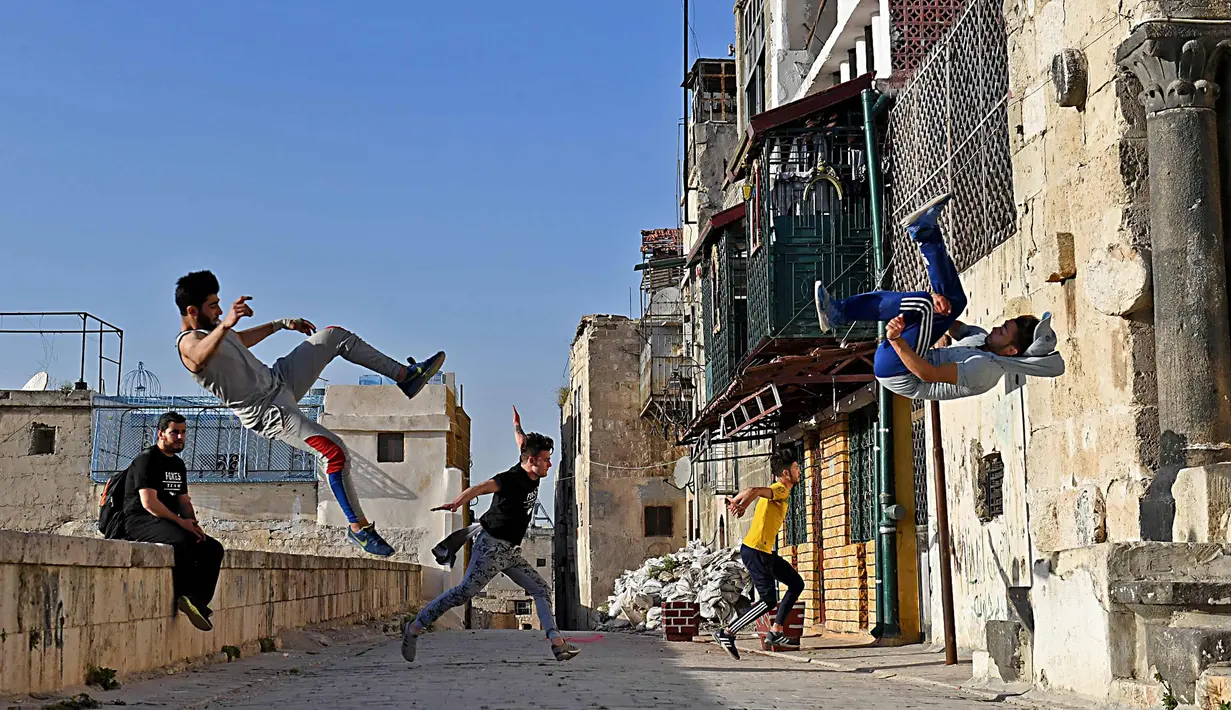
(923,326)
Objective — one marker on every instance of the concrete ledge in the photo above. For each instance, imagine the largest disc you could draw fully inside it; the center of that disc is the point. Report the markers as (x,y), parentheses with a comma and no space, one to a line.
(1187,594)
(67,603)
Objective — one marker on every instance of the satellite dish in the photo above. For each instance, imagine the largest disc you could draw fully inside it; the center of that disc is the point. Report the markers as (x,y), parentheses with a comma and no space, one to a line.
(683,472)
(38,383)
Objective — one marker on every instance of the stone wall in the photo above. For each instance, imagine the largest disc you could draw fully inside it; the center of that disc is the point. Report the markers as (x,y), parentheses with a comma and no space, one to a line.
(67,603)
(1078,450)
(614,460)
(44,490)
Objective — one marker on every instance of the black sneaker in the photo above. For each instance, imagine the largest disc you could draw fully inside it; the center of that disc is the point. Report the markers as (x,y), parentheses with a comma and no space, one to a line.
(418,373)
(194,614)
(726,639)
(776,640)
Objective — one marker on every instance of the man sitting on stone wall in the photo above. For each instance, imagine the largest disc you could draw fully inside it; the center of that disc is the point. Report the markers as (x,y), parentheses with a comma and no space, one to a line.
(157,509)
(907,363)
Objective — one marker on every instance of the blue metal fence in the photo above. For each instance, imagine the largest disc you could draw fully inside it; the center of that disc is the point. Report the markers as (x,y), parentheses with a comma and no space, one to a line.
(218,450)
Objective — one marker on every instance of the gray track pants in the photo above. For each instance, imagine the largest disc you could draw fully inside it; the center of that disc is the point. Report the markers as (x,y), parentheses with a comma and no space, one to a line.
(298,371)
(490,557)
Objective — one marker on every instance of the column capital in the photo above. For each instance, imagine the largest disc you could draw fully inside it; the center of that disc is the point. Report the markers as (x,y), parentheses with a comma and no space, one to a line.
(1176,62)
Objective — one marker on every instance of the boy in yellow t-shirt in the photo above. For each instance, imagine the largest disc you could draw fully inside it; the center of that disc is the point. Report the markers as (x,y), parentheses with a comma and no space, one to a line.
(766,568)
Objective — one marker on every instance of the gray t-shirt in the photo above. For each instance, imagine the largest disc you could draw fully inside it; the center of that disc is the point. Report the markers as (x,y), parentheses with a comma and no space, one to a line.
(978,371)
(244,384)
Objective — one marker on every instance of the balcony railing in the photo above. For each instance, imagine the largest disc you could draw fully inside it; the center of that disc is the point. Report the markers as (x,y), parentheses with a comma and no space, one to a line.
(813,223)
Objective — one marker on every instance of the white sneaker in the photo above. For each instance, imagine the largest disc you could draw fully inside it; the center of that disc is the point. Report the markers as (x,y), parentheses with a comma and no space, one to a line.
(823,306)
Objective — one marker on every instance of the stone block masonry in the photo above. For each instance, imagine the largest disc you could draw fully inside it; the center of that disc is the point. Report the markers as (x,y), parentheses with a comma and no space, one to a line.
(681,620)
(67,603)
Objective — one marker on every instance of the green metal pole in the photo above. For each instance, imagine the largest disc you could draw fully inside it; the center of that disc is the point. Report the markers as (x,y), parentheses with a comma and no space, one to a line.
(886,541)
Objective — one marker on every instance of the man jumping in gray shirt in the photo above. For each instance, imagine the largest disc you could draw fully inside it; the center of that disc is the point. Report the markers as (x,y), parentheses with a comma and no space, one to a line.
(907,364)
(266,399)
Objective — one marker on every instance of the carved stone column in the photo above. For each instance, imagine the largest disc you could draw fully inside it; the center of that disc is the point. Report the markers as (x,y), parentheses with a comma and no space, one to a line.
(1176,63)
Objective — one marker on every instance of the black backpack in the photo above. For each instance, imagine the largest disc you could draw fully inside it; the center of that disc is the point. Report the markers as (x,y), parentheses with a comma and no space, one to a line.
(111,507)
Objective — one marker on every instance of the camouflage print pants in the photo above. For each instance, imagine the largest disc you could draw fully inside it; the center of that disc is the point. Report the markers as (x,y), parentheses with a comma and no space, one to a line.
(489,558)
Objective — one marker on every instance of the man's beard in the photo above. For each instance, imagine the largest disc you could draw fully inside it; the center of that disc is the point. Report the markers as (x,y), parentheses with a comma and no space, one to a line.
(173,447)
(206,323)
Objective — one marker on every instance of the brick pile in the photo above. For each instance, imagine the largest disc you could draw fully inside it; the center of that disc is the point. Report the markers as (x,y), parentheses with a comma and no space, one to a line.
(681,620)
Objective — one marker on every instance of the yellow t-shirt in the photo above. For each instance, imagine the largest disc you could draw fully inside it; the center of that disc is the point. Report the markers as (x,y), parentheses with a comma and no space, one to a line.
(767,519)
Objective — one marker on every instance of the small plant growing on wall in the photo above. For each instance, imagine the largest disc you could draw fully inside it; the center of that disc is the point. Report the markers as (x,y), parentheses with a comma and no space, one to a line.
(267,645)
(1170,702)
(101,677)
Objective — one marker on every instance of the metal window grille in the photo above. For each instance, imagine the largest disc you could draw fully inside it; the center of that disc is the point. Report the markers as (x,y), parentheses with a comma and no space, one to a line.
(796,523)
(218,448)
(729,299)
(725,479)
(861,490)
(992,479)
(807,232)
(919,448)
(521,607)
(949,132)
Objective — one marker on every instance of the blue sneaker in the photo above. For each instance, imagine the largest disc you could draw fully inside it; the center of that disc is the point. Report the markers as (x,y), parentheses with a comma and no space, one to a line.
(420,372)
(826,314)
(370,541)
(923,222)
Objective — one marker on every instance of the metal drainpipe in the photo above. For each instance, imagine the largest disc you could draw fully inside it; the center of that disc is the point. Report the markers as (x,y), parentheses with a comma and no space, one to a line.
(886,541)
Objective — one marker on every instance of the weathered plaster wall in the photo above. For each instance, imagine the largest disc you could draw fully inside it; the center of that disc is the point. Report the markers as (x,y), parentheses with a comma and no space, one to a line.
(399,497)
(43,491)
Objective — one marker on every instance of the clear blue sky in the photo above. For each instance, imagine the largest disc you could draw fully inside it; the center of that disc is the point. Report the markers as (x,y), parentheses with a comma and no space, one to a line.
(460,176)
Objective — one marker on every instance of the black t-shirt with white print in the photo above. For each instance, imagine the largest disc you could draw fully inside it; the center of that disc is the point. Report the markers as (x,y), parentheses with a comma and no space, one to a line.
(512,506)
(153,469)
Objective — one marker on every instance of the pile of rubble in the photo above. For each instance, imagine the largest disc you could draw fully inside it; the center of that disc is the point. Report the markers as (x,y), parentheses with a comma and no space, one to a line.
(716,580)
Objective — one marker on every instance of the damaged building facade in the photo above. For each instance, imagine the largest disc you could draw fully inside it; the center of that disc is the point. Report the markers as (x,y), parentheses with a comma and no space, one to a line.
(1086,146)
(615,505)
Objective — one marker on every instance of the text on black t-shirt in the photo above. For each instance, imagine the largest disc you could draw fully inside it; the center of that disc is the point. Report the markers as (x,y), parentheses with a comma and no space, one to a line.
(165,474)
(512,506)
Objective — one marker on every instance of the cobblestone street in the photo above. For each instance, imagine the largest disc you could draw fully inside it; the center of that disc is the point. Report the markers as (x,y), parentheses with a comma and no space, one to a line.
(491,670)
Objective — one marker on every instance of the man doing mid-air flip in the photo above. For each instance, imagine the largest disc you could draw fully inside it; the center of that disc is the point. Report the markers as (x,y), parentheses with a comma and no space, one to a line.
(907,364)
(266,399)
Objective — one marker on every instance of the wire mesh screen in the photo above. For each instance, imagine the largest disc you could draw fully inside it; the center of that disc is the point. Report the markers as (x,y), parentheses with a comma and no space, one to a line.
(949,132)
(862,488)
(919,449)
(218,448)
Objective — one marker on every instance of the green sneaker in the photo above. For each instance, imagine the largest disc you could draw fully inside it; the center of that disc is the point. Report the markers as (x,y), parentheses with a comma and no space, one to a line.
(194,614)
